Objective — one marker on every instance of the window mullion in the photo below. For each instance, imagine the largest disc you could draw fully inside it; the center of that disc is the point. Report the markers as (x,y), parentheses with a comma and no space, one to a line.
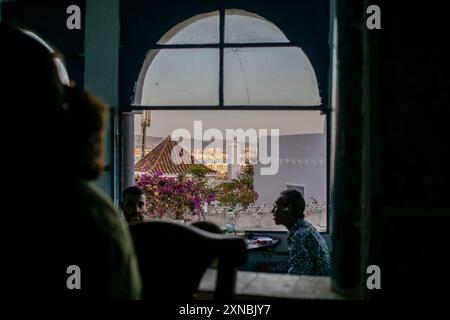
(221,49)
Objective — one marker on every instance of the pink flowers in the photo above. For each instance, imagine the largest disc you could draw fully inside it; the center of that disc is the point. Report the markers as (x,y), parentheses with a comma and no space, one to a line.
(169,197)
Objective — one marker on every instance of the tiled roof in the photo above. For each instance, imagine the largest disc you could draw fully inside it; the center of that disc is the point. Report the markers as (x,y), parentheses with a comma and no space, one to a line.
(160,159)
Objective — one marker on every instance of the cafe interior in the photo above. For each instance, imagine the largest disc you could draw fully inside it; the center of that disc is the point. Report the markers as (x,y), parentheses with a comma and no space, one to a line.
(350,87)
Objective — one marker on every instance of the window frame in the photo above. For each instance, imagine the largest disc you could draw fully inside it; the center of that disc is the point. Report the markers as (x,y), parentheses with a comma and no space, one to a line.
(324,108)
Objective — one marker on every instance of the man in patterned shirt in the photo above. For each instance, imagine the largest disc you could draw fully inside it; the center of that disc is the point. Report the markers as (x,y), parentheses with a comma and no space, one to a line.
(308,251)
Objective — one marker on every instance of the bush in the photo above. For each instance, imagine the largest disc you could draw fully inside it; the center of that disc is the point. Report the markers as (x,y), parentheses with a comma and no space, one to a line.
(169,197)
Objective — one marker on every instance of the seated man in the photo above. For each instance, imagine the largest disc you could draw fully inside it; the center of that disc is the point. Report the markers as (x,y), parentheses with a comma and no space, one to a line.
(308,251)
(134,204)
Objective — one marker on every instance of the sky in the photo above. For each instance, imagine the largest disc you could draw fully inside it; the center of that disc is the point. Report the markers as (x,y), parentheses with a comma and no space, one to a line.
(288,122)
(252,76)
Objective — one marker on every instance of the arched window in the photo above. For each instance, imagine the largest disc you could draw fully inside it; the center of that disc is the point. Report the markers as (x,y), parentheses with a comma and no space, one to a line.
(260,66)
(233,69)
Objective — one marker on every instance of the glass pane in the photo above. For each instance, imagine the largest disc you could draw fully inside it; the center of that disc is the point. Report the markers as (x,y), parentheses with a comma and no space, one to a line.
(200,29)
(177,77)
(212,143)
(269,76)
(246,27)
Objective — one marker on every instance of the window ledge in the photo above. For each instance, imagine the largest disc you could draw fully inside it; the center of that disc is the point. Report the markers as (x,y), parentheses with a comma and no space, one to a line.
(260,285)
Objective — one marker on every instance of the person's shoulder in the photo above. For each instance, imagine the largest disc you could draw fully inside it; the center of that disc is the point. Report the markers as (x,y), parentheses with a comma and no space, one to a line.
(306,230)
(314,235)
(302,226)
(92,197)
(102,210)
(309,228)
(98,195)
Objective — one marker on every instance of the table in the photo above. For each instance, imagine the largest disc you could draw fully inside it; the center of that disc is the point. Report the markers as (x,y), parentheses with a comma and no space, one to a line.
(257,285)
(261,243)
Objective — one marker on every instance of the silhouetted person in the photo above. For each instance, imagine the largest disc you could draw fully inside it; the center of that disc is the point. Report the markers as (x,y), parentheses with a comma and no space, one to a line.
(110,243)
(56,149)
(134,204)
(308,251)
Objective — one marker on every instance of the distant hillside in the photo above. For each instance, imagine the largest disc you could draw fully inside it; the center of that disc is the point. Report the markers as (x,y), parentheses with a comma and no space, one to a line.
(150,144)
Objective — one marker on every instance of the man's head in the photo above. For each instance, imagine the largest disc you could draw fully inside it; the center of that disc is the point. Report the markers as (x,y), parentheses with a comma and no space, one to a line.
(29,76)
(31,91)
(134,204)
(288,208)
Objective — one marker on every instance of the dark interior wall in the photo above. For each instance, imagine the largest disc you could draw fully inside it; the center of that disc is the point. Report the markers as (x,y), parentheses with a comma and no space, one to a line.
(47,18)
(413,100)
(143,23)
(414,104)
(392,150)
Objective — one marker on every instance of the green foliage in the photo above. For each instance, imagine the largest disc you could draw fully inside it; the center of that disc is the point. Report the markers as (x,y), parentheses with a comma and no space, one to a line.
(239,190)
(199,171)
